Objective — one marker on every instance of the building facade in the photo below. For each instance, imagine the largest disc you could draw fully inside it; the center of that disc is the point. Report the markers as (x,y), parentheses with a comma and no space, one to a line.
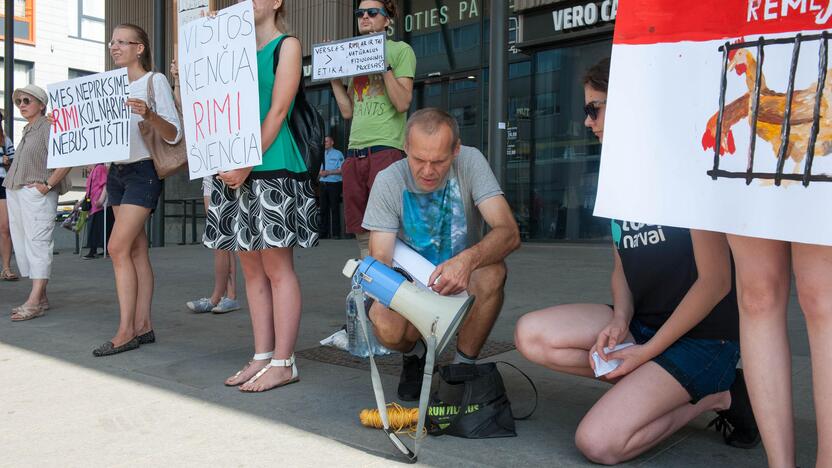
(55,40)
(552,160)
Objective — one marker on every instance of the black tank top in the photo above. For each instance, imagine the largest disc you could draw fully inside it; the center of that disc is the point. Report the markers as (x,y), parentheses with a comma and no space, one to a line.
(660,268)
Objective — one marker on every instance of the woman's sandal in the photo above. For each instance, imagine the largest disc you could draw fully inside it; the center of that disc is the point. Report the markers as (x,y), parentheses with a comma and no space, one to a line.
(257,357)
(8,275)
(44,304)
(24,312)
(276,363)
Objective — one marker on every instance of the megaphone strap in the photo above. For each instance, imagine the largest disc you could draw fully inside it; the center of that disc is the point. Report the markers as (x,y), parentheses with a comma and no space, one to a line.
(378,388)
(531,382)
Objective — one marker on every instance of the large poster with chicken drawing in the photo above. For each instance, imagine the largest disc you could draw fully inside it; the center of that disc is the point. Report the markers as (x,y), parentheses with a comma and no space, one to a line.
(718,117)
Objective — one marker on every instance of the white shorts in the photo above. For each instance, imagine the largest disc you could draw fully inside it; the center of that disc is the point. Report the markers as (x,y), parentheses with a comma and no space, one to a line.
(32,225)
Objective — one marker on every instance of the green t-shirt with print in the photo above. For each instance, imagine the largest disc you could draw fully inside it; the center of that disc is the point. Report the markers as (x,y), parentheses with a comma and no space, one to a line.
(375,121)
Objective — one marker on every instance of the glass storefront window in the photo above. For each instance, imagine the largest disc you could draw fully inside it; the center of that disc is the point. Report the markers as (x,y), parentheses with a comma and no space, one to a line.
(565,155)
(446,36)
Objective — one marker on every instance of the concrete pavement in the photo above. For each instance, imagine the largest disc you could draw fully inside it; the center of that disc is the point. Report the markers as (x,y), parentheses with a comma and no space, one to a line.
(165,404)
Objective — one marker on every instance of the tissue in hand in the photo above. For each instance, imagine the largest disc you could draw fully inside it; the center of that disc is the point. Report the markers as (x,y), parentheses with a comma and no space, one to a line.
(603,367)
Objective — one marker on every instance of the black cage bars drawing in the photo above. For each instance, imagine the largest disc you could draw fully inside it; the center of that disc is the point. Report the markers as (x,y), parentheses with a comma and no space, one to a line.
(778,175)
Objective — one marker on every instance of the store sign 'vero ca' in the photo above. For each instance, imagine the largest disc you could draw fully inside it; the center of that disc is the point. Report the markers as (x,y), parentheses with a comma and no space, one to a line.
(588,14)
(721,122)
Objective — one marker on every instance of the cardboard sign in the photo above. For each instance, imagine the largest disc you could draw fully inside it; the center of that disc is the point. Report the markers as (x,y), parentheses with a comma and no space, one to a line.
(91,120)
(696,130)
(220,98)
(190,10)
(363,55)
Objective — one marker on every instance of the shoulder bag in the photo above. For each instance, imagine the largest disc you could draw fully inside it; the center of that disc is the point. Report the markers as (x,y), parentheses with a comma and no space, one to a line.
(307,127)
(168,159)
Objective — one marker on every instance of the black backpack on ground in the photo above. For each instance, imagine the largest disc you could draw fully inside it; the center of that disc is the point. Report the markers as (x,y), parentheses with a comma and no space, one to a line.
(306,125)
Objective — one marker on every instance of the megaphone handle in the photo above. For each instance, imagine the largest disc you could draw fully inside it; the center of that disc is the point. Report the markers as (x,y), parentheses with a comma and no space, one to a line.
(430,358)
(378,388)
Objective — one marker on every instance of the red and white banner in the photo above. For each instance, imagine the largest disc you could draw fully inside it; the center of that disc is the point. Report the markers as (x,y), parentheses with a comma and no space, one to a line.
(663,113)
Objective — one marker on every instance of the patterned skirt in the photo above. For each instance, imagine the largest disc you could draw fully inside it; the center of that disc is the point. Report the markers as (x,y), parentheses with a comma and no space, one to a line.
(268,213)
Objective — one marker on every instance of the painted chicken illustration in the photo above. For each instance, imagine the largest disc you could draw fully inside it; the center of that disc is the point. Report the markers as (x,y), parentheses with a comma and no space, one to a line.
(771,112)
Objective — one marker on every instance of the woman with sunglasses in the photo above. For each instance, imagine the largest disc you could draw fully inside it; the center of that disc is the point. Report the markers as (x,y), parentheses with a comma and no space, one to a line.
(675,308)
(32,192)
(272,208)
(133,189)
(6,157)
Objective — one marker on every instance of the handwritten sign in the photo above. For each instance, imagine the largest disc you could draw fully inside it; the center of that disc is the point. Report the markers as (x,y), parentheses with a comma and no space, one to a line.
(91,120)
(357,56)
(220,98)
(190,10)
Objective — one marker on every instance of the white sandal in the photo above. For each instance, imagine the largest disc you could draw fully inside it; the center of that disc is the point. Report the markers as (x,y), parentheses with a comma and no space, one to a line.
(277,363)
(256,357)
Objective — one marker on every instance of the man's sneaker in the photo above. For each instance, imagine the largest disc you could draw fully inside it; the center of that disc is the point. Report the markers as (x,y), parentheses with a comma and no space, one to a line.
(737,423)
(201,306)
(226,305)
(410,383)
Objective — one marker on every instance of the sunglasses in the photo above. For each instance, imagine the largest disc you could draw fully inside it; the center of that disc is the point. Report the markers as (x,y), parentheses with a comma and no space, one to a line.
(591,109)
(25,100)
(372,12)
(121,44)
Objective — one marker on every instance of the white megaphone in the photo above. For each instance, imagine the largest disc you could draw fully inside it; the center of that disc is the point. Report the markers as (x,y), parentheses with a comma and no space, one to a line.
(430,313)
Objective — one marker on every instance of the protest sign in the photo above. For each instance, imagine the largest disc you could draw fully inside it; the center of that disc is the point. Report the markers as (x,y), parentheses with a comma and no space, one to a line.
(190,10)
(699,132)
(91,120)
(220,98)
(357,56)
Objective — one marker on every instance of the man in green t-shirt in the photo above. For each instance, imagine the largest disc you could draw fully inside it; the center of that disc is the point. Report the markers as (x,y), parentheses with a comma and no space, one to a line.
(377,105)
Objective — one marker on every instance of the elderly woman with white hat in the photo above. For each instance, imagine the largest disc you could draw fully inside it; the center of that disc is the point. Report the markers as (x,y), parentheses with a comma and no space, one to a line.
(32,197)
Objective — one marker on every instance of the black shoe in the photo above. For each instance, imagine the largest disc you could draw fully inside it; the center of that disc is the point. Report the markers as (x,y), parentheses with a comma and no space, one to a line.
(90,256)
(108,348)
(737,423)
(410,383)
(147,338)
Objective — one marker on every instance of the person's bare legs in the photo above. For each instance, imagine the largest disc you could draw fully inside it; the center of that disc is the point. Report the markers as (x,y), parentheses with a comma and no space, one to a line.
(225,276)
(129,225)
(487,285)
(144,273)
(763,277)
(5,237)
(642,409)
(813,268)
(259,294)
(231,284)
(278,264)
(560,337)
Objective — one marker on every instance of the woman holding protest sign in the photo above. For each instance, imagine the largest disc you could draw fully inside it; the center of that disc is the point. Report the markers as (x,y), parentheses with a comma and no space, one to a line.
(6,156)
(32,192)
(133,188)
(273,208)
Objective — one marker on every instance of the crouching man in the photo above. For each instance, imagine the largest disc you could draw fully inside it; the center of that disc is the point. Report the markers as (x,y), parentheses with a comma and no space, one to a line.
(435,201)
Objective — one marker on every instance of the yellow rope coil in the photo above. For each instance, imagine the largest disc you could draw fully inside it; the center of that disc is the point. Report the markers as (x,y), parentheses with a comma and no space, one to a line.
(402,420)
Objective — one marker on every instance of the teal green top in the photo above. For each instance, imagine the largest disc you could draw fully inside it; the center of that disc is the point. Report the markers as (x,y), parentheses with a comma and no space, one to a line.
(283,154)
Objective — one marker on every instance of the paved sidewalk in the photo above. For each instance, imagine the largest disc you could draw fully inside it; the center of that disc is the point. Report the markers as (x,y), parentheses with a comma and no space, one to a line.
(165,404)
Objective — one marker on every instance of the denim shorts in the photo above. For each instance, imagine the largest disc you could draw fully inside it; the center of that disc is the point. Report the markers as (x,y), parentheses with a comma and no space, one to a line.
(134,184)
(702,366)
